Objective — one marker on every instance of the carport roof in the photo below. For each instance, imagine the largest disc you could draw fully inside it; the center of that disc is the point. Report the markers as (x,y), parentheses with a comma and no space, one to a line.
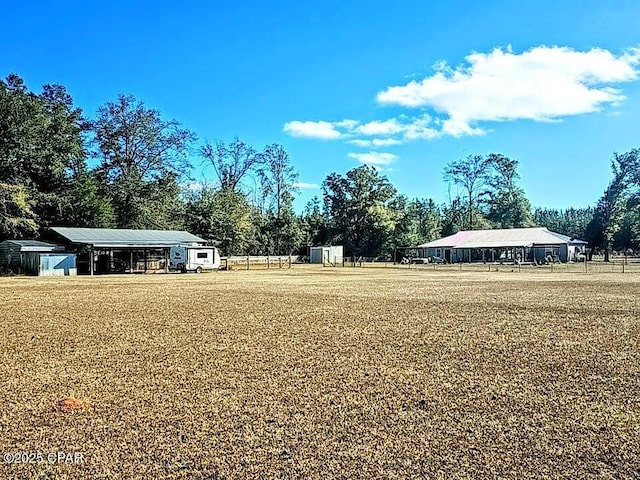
(123,238)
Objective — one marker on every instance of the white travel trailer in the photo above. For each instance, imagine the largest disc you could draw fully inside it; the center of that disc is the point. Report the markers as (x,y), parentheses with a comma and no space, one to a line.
(193,259)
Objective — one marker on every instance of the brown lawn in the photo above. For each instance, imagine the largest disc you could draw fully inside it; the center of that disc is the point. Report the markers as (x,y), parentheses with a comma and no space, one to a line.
(322,373)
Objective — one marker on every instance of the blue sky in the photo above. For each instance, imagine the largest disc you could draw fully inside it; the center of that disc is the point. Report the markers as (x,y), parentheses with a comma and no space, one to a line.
(407,85)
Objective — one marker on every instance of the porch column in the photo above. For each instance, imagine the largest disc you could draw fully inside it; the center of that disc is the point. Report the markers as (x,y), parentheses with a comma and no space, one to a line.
(166,260)
(91,261)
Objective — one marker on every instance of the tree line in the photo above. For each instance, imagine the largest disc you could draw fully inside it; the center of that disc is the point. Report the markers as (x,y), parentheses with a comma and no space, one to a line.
(130,168)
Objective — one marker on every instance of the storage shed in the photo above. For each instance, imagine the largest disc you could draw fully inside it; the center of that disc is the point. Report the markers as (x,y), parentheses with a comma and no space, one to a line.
(36,258)
(326,254)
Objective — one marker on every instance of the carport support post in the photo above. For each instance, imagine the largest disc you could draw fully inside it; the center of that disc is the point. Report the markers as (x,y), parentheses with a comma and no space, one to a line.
(91,261)
(166,261)
(145,259)
(131,269)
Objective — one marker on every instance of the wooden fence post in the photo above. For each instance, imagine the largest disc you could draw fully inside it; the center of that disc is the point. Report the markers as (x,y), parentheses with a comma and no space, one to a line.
(268,262)
(289,260)
(248,263)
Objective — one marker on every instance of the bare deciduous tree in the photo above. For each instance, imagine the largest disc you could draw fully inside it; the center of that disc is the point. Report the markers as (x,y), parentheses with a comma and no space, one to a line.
(472,174)
(232,162)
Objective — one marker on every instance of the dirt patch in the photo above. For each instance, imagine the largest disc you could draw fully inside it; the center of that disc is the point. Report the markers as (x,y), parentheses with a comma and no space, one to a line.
(69,404)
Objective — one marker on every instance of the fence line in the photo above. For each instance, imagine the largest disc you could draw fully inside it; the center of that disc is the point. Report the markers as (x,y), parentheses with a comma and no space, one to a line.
(617,266)
(629,265)
(259,261)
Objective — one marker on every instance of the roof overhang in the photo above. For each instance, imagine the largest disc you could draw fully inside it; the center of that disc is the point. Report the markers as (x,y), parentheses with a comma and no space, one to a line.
(42,249)
(518,244)
(138,246)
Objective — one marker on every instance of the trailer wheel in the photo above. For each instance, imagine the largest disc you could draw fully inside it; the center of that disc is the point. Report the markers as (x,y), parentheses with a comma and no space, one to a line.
(199,270)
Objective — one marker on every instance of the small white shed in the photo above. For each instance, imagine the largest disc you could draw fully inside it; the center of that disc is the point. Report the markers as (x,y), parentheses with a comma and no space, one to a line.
(326,254)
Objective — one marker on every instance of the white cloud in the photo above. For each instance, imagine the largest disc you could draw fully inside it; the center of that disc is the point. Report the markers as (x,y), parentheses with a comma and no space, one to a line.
(393,131)
(420,128)
(375,142)
(195,186)
(306,186)
(387,127)
(542,84)
(374,158)
(348,124)
(322,130)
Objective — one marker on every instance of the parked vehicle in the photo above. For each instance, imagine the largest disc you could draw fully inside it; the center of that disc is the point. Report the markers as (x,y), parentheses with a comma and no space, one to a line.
(193,259)
(419,261)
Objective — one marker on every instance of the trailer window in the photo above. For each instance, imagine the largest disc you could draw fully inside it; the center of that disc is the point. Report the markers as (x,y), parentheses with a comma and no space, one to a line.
(202,255)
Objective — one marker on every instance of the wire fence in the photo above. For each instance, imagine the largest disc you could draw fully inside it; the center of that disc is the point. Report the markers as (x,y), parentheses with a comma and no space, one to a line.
(614,266)
(266,262)
(253,262)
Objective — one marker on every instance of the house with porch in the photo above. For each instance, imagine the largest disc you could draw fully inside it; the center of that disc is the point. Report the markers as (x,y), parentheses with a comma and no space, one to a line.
(527,245)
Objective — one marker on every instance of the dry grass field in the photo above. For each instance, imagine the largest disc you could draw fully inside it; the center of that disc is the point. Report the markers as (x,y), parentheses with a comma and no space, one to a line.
(323,373)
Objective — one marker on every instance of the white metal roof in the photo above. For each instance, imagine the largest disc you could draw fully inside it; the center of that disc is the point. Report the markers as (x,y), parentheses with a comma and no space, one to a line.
(35,246)
(508,237)
(123,238)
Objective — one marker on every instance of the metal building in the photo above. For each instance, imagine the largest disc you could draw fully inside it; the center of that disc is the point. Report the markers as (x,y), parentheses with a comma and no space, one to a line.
(326,254)
(112,250)
(36,258)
